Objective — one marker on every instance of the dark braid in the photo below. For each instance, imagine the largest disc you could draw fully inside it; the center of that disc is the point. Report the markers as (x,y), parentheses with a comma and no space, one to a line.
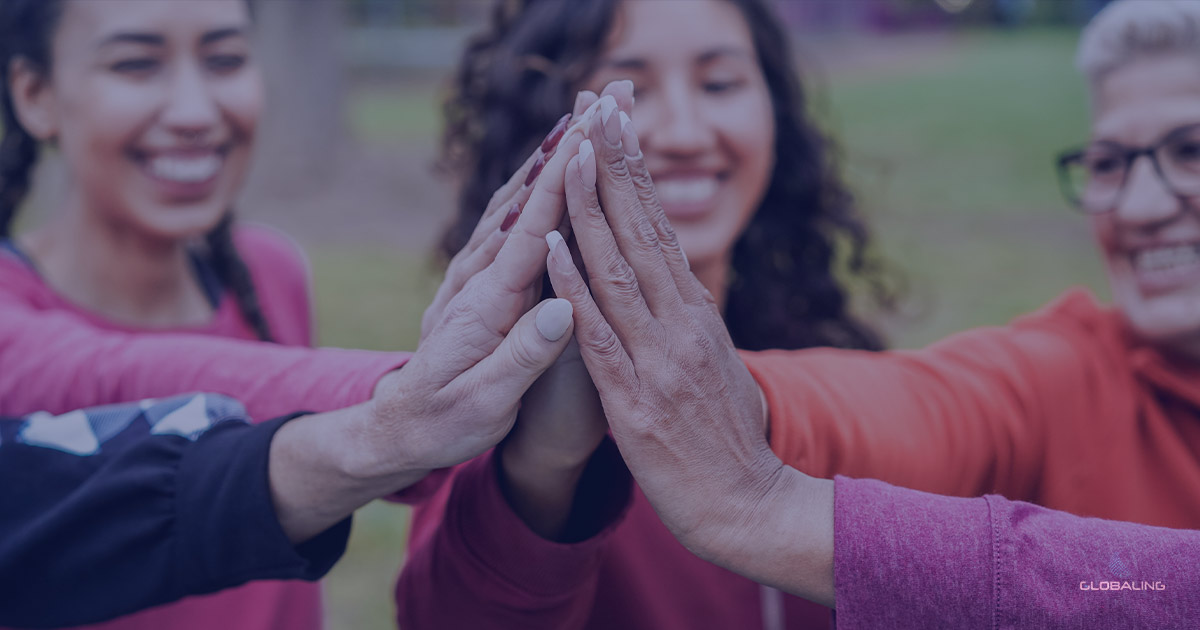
(233,273)
(25,30)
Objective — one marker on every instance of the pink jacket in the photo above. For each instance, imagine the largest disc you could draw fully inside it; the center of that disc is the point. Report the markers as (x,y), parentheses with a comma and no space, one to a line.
(55,356)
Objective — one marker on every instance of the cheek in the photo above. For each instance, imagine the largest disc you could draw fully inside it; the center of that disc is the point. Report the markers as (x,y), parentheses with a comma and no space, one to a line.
(98,116)
(748,129)
(242,101)
(1105,232)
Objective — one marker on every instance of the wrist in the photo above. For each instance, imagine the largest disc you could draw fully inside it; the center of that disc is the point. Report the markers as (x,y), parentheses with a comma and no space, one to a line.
(785,537)
(373,447)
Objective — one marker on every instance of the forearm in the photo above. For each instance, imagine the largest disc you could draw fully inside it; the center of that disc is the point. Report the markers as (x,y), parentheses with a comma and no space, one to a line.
(908,559)
(50,363)
(472,562)
(540,492)
(320,471)
(166,515)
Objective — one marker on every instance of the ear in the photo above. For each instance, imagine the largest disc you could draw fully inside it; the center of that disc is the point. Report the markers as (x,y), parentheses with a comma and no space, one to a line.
(33,99)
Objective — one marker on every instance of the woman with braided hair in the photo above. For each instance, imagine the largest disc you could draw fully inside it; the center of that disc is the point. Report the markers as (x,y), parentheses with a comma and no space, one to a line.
(144,286)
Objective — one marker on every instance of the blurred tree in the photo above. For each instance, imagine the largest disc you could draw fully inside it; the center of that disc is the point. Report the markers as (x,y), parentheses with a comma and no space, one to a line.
(303,128)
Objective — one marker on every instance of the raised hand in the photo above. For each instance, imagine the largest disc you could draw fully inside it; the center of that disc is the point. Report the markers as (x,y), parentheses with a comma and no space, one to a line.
(482,344)
(506,206)
(688,417)
(561,422)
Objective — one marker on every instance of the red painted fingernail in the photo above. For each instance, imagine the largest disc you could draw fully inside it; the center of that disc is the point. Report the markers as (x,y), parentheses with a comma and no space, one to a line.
(511,217)
(556,134)
(536,170)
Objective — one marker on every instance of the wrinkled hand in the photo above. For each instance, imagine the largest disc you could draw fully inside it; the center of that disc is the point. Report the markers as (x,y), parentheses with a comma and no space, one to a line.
(684,410)
(482,344)
(506,205)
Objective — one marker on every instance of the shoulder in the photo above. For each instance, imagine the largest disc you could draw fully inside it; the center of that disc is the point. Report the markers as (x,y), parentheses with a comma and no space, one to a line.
(282,279)
(19,279)
(269,250)
(1080,317)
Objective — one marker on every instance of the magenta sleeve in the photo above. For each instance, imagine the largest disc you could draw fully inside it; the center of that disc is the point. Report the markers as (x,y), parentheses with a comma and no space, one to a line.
(908,559)
(54,361)
(474,563)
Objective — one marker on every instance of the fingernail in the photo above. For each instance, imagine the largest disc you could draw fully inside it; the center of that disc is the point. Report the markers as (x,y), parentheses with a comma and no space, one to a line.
(587,163)
(579,98)
(555,134)
(553,237)
(612,124)
(536,170)
(561,256)
(553,319)
(629,137)
(509,219)
(626,86)
(685,259)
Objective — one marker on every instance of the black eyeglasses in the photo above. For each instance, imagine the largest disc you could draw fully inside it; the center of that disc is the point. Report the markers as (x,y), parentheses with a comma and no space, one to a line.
(1093,178)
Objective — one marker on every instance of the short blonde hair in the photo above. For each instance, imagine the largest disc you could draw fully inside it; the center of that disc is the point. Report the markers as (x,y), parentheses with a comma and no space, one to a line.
(1127,30)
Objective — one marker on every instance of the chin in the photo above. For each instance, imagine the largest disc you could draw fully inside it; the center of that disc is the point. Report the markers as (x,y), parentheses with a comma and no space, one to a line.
(177,224)
(1171,323)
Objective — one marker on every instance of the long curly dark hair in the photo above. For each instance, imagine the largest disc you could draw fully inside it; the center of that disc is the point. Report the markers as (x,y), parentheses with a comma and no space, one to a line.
(26,30)
(520,75)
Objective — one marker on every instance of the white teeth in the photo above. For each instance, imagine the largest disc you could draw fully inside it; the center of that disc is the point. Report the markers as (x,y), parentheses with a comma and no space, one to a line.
(1163,258)
(686,190)
(186,170)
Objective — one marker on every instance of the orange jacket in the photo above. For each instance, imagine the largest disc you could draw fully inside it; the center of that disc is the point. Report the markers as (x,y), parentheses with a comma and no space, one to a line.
(1062,407)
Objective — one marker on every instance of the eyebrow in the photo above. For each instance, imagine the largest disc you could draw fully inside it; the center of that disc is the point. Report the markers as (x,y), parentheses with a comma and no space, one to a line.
(152,39)
(712,54)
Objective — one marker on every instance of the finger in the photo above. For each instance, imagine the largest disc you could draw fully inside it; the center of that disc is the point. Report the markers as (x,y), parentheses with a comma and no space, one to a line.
(525,248)
(528,350)
(623,209)
(462,268)
(511,194)
(600,347)
(689,287)
(622,93)
(612,280)
(583,101)
(515,192)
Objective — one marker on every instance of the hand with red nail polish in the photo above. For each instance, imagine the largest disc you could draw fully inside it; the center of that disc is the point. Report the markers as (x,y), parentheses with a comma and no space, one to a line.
(561,424)
(502,214)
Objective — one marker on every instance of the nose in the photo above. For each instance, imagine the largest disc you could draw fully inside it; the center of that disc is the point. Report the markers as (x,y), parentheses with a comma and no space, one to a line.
(678,125)
(190,108)
(1146,200)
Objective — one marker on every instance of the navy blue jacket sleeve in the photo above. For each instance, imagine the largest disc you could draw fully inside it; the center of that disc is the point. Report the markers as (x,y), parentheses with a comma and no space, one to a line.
(110,510)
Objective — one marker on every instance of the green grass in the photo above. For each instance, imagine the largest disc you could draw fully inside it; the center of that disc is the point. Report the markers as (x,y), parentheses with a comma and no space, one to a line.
(953,163)
(951,158)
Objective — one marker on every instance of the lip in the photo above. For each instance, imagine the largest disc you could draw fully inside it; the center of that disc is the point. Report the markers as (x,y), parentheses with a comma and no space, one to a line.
(188,161)
(1163,267)
(688,195)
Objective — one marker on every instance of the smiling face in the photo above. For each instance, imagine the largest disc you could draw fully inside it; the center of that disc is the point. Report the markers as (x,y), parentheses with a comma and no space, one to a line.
(153,106)
(1151,238)
(703,115)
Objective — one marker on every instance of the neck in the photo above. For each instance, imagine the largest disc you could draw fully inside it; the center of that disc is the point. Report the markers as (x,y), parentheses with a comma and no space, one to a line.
(117,271)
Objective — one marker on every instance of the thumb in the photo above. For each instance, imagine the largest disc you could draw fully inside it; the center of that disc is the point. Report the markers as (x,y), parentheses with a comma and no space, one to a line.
(529,349)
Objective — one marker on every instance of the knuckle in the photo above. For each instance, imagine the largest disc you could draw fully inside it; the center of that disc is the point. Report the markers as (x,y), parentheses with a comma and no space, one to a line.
(607,348)
(526,355)
(644,235)
(621,279)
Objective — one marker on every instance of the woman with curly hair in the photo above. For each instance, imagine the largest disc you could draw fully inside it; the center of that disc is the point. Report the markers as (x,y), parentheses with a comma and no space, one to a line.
(549,530)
